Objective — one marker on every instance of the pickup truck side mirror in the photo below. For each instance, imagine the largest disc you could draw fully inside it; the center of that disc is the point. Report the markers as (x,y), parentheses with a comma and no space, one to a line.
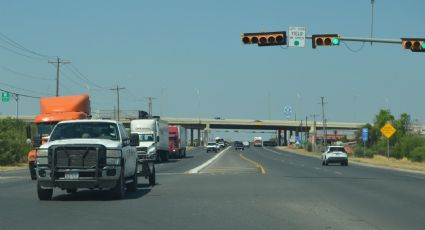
(36,142)
(134,139)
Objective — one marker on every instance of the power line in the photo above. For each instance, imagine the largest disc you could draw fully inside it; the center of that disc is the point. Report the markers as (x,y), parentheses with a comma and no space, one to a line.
(20,54)
(15,87)
(21,47)
(82,76)
(25,74)
(15,93)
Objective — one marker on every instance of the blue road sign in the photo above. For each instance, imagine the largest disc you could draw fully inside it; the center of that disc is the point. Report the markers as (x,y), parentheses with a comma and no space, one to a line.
(365,134)
(297,139)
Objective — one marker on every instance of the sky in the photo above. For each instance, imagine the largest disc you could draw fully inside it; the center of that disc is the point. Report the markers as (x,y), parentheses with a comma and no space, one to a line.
(188,54)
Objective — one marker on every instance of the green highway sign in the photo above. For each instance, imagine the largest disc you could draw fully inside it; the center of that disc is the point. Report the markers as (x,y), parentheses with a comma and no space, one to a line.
(5,96)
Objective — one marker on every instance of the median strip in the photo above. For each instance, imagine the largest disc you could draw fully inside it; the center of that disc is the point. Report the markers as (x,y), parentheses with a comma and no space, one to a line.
(204,165)
(257,165)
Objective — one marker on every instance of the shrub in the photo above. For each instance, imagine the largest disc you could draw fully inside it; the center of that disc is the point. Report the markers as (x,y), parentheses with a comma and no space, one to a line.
(13,148)
(418,154)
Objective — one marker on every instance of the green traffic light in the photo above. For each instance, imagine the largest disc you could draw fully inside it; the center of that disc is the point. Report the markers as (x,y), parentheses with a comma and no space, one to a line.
(423,45)
(335,41)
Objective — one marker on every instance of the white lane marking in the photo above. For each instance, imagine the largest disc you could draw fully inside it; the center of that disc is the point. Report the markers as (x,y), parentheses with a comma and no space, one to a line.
(336,172)
(202,166)
(317,168)
(277,152)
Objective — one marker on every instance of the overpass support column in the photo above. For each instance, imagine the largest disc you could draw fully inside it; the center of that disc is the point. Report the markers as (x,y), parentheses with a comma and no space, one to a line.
(285,137)
(206,132)
(191,137)
(279,137)
(291,134)
(199,137)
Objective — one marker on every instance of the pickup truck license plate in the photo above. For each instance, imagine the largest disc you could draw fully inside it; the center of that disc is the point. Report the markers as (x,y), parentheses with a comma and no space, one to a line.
(71,175)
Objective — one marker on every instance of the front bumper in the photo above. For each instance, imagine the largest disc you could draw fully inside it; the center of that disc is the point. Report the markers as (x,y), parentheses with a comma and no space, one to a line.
(106,177)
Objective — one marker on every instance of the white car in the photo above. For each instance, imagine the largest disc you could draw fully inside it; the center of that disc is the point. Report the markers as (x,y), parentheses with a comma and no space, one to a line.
(335,154)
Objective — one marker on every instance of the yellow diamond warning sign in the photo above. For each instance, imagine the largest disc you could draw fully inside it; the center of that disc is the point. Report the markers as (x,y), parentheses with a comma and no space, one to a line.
(388,130)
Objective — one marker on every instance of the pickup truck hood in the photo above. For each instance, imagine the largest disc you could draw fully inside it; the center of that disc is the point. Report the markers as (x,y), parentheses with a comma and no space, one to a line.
(110,144)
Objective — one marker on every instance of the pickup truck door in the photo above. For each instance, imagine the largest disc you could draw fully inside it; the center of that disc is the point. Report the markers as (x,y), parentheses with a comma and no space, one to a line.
(129,153)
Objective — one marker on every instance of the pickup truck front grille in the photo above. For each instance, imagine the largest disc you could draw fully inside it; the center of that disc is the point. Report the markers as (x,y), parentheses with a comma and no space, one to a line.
(142,149)
(84,157)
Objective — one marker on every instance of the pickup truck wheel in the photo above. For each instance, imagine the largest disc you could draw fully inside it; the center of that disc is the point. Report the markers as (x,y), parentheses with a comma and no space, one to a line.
(184,153)
(132,187)
(152,177)
(44,194)
(118,192)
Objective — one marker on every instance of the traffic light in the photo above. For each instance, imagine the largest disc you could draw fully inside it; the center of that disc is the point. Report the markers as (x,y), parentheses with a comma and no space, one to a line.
(414,44)
(265,38)
(325,40)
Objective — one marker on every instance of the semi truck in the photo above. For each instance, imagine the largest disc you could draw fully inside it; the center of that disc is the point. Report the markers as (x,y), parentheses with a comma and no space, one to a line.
(52,111)
(177,141)
(153,136)
(258,142)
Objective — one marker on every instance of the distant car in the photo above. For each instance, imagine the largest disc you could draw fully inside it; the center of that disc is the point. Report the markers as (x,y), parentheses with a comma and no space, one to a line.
(335,154)
(238,145)
(246,144)
(212,146)
(221,144)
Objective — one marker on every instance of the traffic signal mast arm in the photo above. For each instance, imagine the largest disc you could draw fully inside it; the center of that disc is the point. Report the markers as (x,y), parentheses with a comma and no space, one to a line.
(414,44)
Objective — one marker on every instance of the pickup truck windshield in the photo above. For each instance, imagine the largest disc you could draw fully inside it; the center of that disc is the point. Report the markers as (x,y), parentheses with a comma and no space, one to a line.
(146,137)
(85,130)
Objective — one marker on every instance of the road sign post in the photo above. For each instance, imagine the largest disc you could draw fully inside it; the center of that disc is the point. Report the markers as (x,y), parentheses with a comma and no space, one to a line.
(296,36)
(388,130)
(365,137)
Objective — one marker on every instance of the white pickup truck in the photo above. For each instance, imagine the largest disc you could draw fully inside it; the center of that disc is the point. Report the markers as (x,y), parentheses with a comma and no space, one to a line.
(94,154)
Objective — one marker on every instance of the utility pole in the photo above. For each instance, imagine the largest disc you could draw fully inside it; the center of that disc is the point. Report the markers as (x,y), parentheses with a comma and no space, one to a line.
(372,2)
(118,100)
(306,134)
(58,62)
(325,143)
(150,105)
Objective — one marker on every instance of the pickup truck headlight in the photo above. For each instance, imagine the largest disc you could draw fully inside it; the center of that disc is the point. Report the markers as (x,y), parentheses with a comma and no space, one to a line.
(151,150)
(42,161)
(42,153)
(113,153)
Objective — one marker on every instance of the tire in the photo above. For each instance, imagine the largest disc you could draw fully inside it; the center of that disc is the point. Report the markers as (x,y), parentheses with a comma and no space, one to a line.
(323,162)
(33,174)
(44,194)
(346,163)
(71,190)
(152,177)
(184,153)
(118,192)
(132,187)
(164,156)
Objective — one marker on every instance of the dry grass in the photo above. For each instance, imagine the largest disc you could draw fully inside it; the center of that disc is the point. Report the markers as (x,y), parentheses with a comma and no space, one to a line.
(377,160)
(13,167)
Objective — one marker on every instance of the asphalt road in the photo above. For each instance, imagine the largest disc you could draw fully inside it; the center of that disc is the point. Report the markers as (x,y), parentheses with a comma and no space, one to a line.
(293,192)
